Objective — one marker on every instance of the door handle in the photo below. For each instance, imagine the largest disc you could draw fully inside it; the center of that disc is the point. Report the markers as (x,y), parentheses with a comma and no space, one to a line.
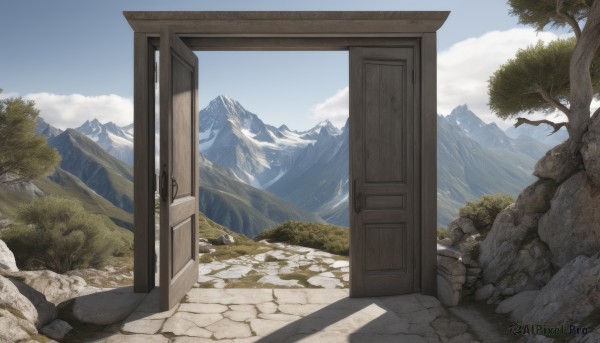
(174,187)
(357,197)
(162,183)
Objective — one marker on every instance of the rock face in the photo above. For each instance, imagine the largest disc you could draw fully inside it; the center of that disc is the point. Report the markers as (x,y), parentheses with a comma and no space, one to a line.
(10,297)
(558,164)
(571,296)
(7,258)
(572,226)
(512,256)
(46,310)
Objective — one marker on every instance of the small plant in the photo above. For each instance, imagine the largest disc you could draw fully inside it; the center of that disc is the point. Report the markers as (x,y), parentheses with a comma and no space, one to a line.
(442,232)
(483,212)
(333,239)
(58,234)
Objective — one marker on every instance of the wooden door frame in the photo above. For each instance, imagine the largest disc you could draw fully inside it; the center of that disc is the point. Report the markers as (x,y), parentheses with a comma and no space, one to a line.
(281,31)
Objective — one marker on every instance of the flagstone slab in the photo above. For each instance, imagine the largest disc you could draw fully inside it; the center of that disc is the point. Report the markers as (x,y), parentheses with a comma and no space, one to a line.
(265,327)
(267,307)
(119,338)
(324,282)
(277,281)
(300,309)
(227,328)
(340,264)
(279,316)
(229,296)
(191,324)
(234,272)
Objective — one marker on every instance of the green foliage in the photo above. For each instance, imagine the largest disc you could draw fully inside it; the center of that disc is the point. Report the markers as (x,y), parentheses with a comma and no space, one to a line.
(442,232)
(333,239)
(519,84)
(58,234)
(483,212)
(24,155)
(541,13)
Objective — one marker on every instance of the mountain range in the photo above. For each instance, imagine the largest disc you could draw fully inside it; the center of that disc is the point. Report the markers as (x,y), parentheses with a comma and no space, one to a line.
(255,175)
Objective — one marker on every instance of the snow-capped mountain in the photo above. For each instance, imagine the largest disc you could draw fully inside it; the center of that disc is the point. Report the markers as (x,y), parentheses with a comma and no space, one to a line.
(117,141)
(258,154)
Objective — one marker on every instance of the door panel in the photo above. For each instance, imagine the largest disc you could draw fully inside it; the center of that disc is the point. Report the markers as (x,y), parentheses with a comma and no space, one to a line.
(383,237)
(179,169)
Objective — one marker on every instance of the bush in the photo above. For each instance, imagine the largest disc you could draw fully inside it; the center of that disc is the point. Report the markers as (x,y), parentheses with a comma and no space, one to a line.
(483,212)
(442,232)
(58,234)
(330,238)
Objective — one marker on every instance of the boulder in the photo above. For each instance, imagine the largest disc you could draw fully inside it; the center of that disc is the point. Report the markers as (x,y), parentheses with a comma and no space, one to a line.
(451,276)
(204,247)
(225,240)
(56,287)
(57,329)
(11,298)
(108,307)
(14,328)
(7,258)
(558,164)
(465,224)
(590,151)
(484,292)
(46,310)
(518,303)
(571,296)
(572,225)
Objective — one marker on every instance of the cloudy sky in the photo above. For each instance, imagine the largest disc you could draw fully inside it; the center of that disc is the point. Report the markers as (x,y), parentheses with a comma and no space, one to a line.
(74,59)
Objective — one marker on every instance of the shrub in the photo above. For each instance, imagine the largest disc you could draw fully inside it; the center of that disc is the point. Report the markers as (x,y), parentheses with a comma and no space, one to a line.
(483,212)
(442,232)
(58,234)
(330,238)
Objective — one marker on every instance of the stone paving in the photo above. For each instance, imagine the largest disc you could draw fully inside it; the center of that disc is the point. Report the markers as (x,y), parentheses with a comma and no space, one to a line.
(288,315)
(283,265)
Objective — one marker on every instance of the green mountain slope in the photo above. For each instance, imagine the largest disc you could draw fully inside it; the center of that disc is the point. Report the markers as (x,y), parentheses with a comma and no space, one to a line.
(106,175)
(64,184)
(240,207)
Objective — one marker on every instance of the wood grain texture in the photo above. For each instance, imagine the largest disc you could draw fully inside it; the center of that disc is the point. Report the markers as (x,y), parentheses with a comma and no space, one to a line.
(382,152)
(143,165)
(179,162)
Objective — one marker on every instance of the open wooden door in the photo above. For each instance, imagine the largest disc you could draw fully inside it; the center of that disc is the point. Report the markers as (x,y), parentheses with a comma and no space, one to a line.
(178,181)
(384,170)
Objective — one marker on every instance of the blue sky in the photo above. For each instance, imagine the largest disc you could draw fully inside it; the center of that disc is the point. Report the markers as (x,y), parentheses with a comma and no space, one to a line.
(74,58)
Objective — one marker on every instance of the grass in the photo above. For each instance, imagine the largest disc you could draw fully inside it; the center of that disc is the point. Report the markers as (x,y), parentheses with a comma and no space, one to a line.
(330,238)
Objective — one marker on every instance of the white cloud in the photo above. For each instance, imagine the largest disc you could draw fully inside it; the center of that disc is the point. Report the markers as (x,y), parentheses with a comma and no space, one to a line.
(465,67)
(334,108)
(70,111)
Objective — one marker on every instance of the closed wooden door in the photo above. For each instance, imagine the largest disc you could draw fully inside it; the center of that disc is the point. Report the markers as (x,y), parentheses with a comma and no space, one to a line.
(384,167)
(178,181)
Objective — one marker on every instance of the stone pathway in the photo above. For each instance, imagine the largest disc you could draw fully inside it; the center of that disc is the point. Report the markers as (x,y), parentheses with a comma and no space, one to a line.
(288,315)
(283,266)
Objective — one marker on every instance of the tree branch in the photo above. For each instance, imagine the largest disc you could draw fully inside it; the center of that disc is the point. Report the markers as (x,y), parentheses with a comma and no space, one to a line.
(552,101)
(566,17)
(556,126)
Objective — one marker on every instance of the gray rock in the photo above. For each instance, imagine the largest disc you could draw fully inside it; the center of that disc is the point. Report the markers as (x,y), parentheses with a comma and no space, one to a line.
(465,224)
(57,329)
(572,226)
(4,223)
(7,258)
(484,292)
(225,240)
(450,279)
(448,251)
(519,302)
(46,310)
(204,247)
(590,151)
(11,298)
(13,328)
(511,255)
(107,307)
(56,287)
(558,164)
(571,296)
